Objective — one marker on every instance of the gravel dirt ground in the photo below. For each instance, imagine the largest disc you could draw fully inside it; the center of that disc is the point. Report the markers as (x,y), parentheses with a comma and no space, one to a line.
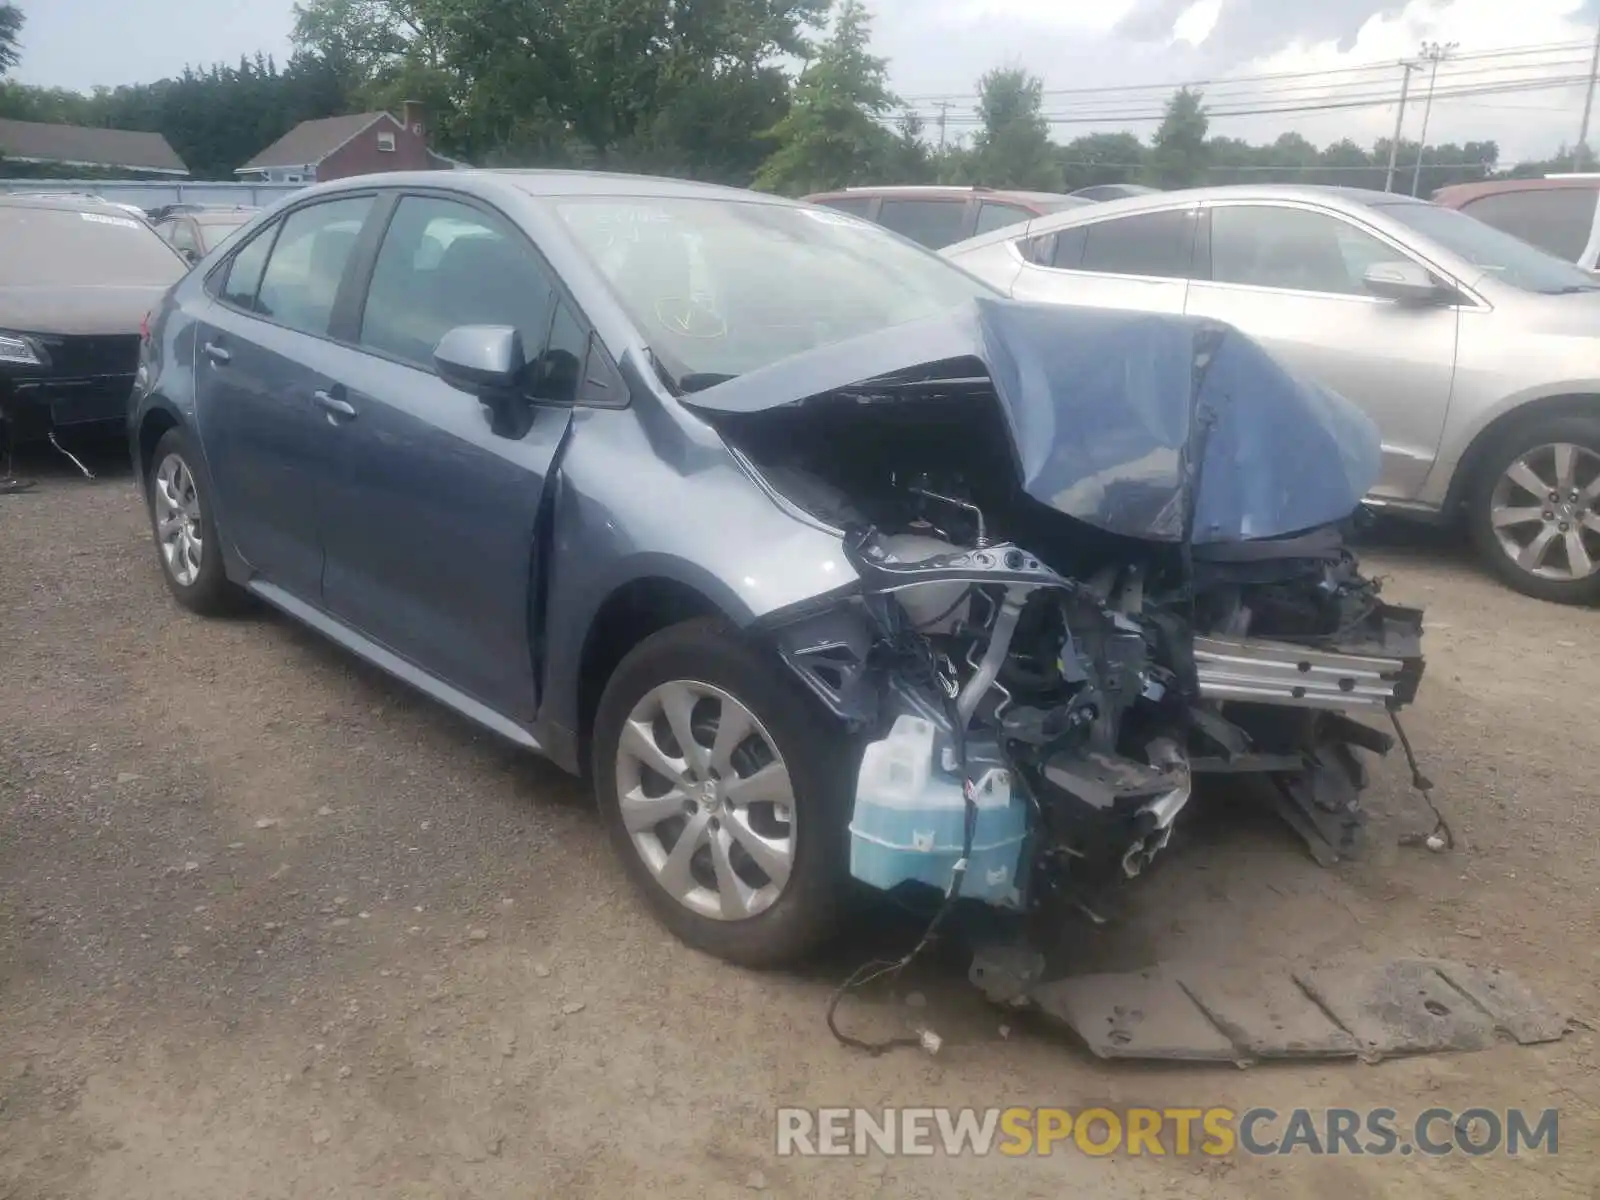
(272,926)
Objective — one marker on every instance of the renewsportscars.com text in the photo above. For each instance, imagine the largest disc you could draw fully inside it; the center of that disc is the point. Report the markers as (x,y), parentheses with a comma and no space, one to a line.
(1213,1132)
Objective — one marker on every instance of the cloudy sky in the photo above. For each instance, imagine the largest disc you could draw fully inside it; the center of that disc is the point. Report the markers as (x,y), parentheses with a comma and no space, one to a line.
(938,48)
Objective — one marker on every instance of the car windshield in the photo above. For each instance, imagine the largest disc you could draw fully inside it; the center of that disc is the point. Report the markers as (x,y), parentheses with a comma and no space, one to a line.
(1510,260)
(62,247)
(722,287)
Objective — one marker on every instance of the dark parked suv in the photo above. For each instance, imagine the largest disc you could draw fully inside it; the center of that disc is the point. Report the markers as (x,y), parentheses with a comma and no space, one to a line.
(941,216)
(77,277)
(1558,213)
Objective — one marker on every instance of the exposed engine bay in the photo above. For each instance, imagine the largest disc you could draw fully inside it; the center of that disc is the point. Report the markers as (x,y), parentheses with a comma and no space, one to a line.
(1039,694)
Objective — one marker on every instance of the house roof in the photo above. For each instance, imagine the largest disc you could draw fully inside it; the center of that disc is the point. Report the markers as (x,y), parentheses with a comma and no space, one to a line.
(84,146)
(309,142)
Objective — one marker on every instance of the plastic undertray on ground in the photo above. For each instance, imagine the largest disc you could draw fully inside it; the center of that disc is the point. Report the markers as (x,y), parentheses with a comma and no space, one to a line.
(1369,1010)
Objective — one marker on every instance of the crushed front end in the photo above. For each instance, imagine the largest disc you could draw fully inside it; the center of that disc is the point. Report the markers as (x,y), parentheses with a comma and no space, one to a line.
(1099,557)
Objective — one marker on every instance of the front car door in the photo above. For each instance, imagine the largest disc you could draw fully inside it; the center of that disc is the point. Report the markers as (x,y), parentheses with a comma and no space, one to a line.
(1140,262)
(1291,276)
(429,520)
(262,350)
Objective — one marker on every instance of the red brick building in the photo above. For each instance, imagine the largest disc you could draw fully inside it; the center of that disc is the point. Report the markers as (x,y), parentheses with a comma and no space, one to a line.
(337,147)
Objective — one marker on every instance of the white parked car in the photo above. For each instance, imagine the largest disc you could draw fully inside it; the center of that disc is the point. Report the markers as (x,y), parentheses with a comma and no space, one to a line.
(1477,355)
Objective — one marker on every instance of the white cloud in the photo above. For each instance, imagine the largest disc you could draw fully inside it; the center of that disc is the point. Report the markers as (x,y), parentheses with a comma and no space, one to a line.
(1195,25)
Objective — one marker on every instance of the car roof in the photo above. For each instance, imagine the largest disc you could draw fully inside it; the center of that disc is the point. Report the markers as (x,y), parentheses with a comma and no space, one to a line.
(915,190)
(544,183)
(1338,196)
(1347,198)
(65,201)
(1457,194)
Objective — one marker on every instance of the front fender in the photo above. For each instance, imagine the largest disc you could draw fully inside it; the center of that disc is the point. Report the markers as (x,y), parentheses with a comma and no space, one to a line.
(1469,424)
(648,494)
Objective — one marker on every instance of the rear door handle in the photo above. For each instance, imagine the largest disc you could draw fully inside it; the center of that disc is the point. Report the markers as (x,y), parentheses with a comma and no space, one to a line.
(333,405)
(217,354)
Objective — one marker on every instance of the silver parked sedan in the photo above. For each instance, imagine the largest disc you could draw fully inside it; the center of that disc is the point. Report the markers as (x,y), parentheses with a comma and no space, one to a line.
(1477,354)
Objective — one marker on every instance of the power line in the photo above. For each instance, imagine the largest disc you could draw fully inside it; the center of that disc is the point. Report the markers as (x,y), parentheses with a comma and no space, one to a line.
(1509,52)
(1369,101)
(1381,91)
(1311,93)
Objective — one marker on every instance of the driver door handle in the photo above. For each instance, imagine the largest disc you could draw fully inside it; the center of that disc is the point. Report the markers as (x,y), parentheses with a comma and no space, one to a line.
(217,354)
(333,405)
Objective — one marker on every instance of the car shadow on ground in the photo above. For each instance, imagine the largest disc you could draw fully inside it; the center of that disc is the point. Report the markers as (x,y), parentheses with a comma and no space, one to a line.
(105,455)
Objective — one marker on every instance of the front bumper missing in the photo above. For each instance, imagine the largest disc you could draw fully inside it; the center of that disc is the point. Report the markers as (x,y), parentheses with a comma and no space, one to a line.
(1266,672)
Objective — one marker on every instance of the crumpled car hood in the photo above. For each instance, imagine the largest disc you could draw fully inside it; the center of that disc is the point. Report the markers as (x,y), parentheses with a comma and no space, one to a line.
(1155,427)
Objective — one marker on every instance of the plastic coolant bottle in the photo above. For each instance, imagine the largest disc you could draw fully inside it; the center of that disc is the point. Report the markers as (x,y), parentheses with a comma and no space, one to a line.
(910,818)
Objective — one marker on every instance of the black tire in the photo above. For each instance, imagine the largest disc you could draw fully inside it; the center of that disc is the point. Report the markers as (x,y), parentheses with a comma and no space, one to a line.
(209,593)
(819,756)
(1583,431)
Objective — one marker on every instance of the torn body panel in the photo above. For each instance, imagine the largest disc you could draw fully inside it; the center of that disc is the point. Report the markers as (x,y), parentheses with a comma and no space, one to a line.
(1047,673)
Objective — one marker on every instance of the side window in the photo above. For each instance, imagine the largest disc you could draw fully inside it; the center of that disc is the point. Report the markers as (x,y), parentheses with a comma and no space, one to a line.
(856,206)
(1067,252)
(444,264)
(1040,251)
(1557,220)
(1159,244)
(181,235)
(992,216)
(243,277)
(302,277)
(1292,248)
(934,223)
(557,372)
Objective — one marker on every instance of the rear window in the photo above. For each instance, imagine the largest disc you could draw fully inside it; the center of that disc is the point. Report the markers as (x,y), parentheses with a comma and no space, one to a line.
(58,247)
(934,223)
(855,205)
(994,215)
(1556,220)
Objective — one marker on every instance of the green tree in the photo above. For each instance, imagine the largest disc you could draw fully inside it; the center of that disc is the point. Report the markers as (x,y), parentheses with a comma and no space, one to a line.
(1101,158)
(10,36)
(1178,154)
(911,158)
(834,133)
(1012,148)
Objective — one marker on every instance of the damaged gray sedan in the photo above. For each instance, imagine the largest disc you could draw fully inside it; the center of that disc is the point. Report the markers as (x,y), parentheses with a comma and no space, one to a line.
(817,557)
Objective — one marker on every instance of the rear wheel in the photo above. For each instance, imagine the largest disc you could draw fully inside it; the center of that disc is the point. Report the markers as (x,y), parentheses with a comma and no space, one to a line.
(724,792)
(185,533)
(1534,509)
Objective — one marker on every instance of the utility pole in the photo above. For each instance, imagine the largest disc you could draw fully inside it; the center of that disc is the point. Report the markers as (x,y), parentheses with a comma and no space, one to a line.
(1581,152)
(1435,53)
(944,108)
(1399,119)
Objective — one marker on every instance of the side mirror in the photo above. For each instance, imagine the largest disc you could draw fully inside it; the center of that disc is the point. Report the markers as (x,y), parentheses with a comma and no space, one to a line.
(1403,281)
(485,361)
(190,255)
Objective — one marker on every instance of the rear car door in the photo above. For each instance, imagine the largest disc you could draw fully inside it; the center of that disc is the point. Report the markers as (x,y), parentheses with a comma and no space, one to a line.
(263,354)
(1141,261)
(429,523)
(1291,276)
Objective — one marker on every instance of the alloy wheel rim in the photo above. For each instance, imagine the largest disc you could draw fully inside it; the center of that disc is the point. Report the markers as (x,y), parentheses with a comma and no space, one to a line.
(177,505)
(1544,515)
(706,799)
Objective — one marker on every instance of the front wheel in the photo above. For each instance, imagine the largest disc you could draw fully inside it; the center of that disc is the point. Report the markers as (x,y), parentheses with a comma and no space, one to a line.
(725,793)
(1533,509)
